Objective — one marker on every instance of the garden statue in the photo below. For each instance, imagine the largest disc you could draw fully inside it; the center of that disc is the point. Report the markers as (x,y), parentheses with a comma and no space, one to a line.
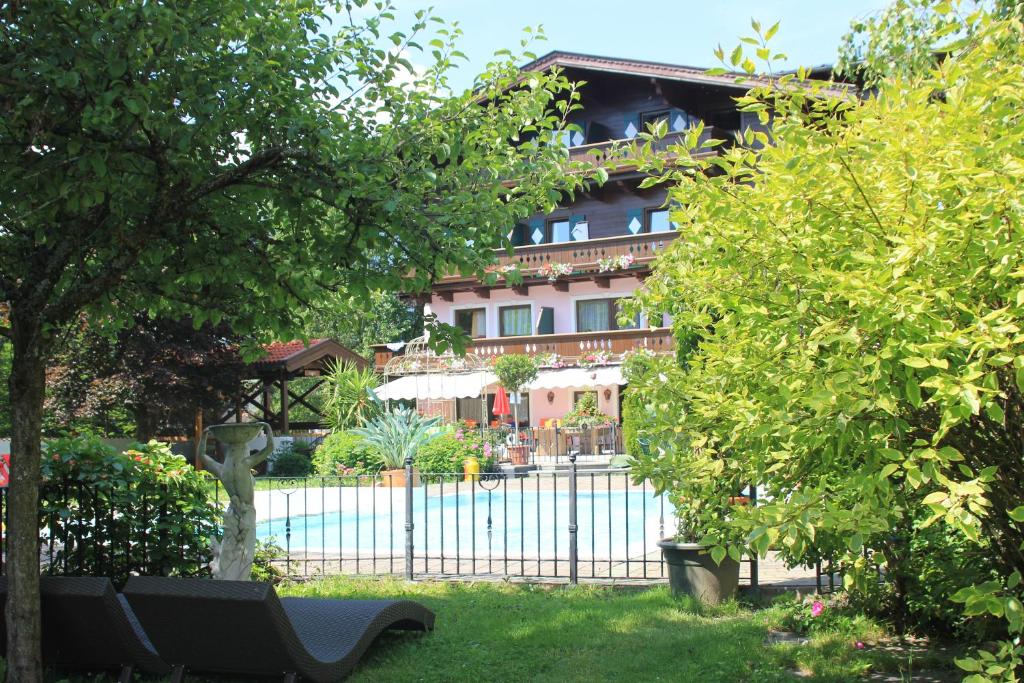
(233,556)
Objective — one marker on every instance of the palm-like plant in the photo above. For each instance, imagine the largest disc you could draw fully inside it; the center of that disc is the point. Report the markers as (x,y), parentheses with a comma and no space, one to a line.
(398,435)
(351,400)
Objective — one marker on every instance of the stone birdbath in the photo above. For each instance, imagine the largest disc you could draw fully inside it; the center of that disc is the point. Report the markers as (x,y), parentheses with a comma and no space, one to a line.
(233,556)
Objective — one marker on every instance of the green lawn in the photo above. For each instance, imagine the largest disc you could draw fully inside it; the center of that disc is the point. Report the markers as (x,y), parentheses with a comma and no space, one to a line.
(510,632)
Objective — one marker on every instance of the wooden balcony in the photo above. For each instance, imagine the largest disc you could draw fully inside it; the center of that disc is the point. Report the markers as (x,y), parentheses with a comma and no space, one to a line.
(568,346)
(621,153)
(583,256)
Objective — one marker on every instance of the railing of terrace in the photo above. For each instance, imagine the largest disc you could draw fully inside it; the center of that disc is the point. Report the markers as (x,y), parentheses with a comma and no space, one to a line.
(558,444)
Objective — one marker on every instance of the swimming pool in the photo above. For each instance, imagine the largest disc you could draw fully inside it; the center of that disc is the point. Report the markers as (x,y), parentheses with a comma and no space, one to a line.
(511,523)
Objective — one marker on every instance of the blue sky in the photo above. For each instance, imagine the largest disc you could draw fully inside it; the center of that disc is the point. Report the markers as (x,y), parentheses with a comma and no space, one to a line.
(674,31)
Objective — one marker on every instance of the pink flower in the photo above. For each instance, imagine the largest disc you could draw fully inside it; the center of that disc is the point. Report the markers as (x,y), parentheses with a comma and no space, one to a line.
(459,435)
(487,450)
(859,645)
(817,608)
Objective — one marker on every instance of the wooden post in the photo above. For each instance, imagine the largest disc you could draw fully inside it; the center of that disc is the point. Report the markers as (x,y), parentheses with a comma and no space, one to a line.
(197,437)
(284,404)
(267,414)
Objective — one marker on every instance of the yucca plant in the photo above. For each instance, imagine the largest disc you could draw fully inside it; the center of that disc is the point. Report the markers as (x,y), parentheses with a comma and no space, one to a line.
(398,435)
(351,399)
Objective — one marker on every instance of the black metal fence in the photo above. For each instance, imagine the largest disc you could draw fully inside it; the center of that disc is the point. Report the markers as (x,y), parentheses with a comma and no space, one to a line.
(572,524)
(566,524)
(116,531)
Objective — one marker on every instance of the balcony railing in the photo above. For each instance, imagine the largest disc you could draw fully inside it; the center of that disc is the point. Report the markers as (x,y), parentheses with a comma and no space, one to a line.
(583,256)
(567,346)
(602,152)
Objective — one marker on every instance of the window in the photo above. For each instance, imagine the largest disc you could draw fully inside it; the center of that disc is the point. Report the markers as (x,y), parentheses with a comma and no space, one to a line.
(657,220)
(469,409)
(558,231)
(472,321)
(599,315)
(514,321)
(650,118)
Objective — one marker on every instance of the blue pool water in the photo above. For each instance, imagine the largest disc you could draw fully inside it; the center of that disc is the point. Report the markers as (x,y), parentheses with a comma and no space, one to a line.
(490,524)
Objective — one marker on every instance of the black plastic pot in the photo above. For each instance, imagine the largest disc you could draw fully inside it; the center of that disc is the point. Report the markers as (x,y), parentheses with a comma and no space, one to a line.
(692,571)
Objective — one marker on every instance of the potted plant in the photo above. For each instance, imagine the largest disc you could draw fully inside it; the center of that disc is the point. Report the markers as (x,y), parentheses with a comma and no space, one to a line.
(691,568)
(515,371)
(397,436)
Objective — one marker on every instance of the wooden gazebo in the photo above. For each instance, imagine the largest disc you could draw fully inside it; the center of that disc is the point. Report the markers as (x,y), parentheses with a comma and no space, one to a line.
(273,376)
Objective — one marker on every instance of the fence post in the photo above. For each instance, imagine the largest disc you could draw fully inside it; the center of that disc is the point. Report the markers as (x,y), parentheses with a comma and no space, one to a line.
(573,549)
(754,579)
(408,518)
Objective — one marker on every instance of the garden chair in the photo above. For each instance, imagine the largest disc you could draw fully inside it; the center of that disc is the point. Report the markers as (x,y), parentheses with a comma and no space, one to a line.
(87,625)
(243,628)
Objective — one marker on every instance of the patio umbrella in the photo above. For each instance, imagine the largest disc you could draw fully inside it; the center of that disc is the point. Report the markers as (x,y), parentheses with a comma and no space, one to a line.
(501,402)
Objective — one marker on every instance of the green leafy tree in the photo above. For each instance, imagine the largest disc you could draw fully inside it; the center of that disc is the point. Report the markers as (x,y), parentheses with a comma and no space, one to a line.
(231,160)
(350,399)
(515,371)
(359,324)
(147,378)
(854,291)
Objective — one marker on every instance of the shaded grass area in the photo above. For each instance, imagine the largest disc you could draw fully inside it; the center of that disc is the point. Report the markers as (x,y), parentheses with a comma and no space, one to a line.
(511,632)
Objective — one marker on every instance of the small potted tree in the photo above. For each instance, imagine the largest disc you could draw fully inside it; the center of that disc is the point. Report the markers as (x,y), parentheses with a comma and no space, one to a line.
(692,568)
(399,435)
(515,371)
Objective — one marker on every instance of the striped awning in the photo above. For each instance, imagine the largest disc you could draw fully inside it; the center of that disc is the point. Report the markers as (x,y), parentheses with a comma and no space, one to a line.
(436,386)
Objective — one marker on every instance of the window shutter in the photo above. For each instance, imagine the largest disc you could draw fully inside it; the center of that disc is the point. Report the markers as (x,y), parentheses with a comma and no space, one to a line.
(517,236)
(536,232)
(578,137)
(678,120)
(635,221)
(546,321)
(579,229)
(630,127)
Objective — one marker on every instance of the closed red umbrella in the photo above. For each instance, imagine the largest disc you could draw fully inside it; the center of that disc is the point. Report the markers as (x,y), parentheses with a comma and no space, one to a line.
(501,406)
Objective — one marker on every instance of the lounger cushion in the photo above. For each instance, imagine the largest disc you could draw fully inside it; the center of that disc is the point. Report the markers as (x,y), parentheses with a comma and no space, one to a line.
(241,627)
(87,625)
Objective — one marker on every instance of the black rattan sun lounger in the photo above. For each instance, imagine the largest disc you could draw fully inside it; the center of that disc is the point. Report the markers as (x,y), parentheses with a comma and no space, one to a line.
(243,628)
(87,625)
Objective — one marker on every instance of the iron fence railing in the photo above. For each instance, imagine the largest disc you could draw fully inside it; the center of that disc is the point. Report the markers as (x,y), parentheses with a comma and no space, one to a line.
(554,524)
(543,525)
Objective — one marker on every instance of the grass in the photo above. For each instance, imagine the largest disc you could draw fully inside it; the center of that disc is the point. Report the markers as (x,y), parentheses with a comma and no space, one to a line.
(512,632)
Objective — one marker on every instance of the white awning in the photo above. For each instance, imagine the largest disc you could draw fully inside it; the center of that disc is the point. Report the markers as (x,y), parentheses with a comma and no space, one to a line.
(436,386)
(581,378)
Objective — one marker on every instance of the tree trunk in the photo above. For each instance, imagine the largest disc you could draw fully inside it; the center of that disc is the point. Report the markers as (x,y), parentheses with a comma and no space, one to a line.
(27,386)
(146,423)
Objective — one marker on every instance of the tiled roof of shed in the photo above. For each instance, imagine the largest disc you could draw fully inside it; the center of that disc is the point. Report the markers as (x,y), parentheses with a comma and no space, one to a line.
(282,351)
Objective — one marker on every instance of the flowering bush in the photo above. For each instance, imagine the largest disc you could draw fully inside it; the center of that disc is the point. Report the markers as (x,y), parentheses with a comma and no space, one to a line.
(104,513)
(615,263)
(814,614)
(343,454)
(549,360)
(585,414)
(589,360)
(552,271)
(447,453)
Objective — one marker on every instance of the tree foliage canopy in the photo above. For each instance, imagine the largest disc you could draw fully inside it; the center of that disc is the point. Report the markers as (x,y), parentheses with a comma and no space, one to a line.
(850,301)
(170,157)
(232,160)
